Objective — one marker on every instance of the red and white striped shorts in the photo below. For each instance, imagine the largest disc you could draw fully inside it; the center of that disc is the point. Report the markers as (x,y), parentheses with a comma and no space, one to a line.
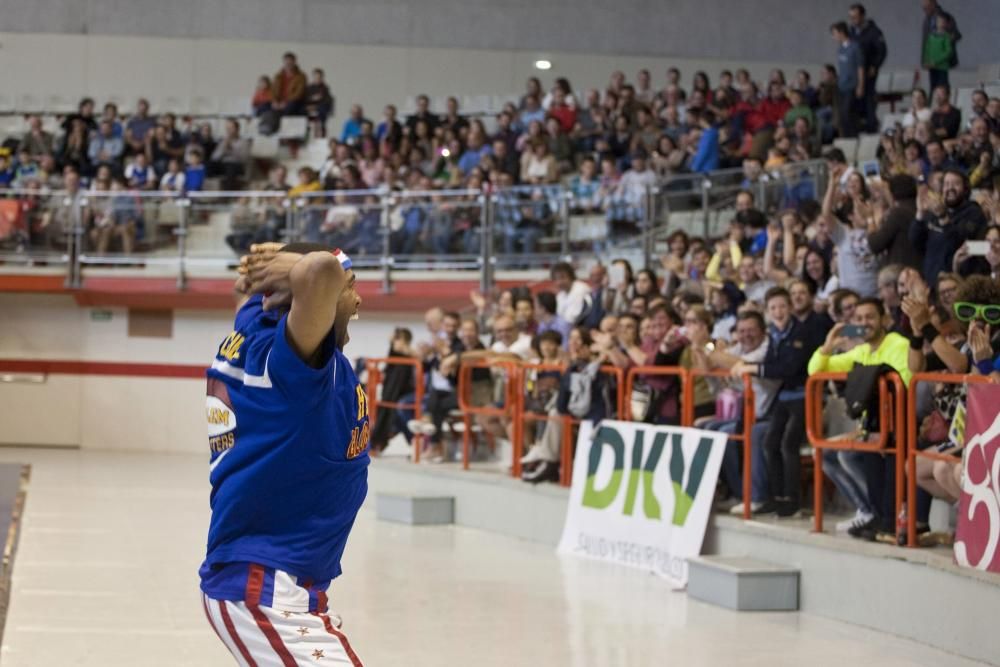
(260,636)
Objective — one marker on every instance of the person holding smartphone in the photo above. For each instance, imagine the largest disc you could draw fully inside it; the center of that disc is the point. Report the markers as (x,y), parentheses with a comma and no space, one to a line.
(879,346)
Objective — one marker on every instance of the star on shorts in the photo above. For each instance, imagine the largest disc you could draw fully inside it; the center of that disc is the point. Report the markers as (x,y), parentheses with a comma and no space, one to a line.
(303,631)
(286,614)
(318,654)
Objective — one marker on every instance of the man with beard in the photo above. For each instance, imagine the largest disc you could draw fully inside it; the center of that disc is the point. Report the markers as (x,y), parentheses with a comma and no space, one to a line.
(815,325)
(941,228)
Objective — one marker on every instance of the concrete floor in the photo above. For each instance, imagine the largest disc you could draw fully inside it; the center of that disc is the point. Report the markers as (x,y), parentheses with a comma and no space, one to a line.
(106,574)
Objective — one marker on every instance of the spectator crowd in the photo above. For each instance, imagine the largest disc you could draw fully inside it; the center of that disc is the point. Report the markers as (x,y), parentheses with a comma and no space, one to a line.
(605,146)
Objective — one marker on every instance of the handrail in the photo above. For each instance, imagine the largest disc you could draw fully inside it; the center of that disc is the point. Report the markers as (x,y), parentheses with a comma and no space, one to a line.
(912,451)
(525,416)
(749,420)
(375,379)
(890,415)
(630,376)
(509,409)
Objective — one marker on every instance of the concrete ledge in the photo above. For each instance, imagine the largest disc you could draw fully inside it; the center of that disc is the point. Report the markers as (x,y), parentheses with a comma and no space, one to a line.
(415,510)
(743,584)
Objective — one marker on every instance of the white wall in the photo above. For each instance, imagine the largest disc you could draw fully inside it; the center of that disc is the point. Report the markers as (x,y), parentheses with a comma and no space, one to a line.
(125,68)
(132,413)
(786,30)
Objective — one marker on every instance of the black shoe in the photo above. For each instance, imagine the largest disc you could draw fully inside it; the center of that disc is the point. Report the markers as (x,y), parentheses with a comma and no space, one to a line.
(547,471)
(788,510)
(861,531)
(769,507)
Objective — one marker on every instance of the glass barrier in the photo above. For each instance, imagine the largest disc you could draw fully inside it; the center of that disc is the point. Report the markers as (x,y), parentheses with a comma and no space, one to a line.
(204,233)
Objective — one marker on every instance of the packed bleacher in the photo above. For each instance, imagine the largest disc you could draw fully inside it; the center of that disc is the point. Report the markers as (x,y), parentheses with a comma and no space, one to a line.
(604,150)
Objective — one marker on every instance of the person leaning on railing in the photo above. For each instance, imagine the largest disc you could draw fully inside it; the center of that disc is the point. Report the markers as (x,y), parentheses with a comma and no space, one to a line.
(879,347)
(788,351)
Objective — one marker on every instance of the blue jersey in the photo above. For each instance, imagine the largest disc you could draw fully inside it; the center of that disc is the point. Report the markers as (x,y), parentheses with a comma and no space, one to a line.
(289,465)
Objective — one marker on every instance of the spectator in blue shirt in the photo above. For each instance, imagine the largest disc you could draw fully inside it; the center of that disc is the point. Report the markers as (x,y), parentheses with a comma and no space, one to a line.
(352,126)
(194,172)
(105,148)
(531,112)
(706,158)
(850,78)
(475,151)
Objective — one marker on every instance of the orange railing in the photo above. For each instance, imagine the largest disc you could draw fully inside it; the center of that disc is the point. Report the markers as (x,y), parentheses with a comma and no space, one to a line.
(508,411)
(913,453)
(892,416)
(749,418)
(374,403)
(645,371)
(526,416)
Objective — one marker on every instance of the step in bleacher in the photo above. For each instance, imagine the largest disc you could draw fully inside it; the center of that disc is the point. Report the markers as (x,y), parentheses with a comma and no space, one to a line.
(415,510)
(743,584)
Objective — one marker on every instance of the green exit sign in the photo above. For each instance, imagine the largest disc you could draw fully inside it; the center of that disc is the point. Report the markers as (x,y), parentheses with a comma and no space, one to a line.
(99,315)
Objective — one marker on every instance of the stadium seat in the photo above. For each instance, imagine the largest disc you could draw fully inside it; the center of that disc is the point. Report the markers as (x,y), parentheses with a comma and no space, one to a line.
(292,127)
(850,148)
(265,148)
(867,147)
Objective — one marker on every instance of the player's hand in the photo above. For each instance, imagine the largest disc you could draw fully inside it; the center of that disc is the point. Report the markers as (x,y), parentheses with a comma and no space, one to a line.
(268,271)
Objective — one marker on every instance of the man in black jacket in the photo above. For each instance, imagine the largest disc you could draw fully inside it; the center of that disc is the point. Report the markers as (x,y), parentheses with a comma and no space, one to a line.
(873,50)
(788,350)
(892,233)
(941,227)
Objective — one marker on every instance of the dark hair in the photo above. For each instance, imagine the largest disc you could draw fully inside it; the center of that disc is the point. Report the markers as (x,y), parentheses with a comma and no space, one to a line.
(752,315)
(809,210)
(808,284)
(841,27)
(546,301)
(680,234)
(979,289)
(551,335)
(665,309)
(584,334)
(652,278)
(813,286)
(474,321)
(838,296)
(452,315)
(835,155)
(404,333)
(872,301)
(903,186)
(775,292)
(961,174)
(289,54)
(859,8)
(564,268)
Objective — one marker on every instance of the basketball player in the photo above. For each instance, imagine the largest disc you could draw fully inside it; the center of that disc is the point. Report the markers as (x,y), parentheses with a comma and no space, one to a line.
(288,436)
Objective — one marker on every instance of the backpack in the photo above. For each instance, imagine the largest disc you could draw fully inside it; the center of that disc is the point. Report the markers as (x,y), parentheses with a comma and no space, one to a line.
(581,385)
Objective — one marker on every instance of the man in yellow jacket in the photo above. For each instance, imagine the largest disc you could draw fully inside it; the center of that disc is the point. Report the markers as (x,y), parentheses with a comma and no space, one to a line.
(866,480)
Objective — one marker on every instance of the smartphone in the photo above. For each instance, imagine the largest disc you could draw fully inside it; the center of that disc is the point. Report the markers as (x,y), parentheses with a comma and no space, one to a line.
(978,248)
(616,276)
(853,331)
(870,169)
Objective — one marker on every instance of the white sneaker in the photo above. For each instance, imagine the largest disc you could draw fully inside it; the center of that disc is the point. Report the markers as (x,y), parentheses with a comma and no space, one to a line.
(531,456)
(737,509)
(860,518)
(421,427)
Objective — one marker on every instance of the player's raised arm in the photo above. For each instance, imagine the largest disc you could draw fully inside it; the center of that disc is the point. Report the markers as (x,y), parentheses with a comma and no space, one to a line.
(311,282)
(317,281)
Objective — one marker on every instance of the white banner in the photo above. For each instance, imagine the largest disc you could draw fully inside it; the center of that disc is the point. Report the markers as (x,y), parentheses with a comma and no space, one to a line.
(642,494)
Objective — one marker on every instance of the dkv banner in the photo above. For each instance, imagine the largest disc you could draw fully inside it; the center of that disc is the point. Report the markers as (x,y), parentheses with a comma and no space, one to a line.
(641,495)
(977,537)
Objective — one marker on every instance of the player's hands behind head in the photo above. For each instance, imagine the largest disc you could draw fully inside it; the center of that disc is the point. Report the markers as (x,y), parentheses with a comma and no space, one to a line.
(267,272)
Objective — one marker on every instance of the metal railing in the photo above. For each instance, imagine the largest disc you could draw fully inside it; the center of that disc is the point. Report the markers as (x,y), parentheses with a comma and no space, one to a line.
(529,226)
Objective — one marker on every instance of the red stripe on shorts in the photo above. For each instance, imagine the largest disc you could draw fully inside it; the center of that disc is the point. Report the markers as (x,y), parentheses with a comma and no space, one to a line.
(272,636)
(204,604)
(355,660)
(232,633)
